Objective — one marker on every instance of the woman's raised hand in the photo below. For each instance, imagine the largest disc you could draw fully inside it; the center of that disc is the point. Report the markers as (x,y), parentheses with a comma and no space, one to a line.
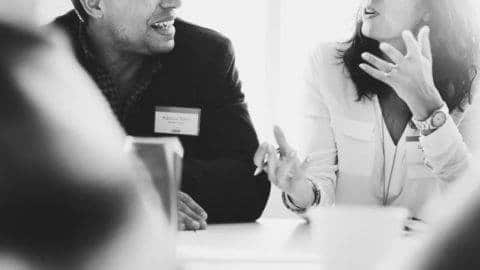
(284,169)
(410,75)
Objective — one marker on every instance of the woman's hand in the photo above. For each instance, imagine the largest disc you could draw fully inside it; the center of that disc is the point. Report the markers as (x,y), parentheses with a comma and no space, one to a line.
(411,76)
(285,170)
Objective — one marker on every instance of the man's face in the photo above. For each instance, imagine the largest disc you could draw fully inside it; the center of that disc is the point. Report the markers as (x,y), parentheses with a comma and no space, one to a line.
(141,26)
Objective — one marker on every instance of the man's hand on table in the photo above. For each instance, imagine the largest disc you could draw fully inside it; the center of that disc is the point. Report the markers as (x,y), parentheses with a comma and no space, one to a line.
(190,215)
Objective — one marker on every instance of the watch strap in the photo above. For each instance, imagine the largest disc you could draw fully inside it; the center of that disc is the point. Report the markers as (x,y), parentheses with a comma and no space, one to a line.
(427,125)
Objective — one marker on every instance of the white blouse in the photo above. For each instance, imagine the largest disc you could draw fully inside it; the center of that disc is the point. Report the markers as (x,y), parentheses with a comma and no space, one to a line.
(352,157)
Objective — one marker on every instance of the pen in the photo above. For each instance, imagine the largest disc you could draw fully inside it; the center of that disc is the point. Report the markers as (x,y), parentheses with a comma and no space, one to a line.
(259,170)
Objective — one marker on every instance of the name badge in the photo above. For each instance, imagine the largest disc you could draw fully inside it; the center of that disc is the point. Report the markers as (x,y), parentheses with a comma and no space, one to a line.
(413,138)
(177,121)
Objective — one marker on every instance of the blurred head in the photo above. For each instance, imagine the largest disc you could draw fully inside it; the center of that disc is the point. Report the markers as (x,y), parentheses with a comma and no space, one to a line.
(21,11)
(144,26)
(454,35)
(70,196)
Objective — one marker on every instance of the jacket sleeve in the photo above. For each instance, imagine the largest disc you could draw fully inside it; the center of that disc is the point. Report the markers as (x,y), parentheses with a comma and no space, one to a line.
(220,175)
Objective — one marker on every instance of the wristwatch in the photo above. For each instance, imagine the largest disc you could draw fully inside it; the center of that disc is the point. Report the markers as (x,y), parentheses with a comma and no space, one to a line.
(436,120)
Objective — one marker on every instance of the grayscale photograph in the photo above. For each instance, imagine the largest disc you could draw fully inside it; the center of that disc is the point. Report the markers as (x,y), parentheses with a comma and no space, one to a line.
(239,135)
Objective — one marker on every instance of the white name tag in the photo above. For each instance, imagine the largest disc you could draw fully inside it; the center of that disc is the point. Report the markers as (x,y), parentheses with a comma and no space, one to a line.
(177,121)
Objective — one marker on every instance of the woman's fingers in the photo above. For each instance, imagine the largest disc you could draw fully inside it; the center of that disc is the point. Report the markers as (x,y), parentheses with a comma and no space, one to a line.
(411,43)
(375,73)
(285,172)
(395,55)
(424,40)
(272,164)
(284,147)
(377,62)
(267,158)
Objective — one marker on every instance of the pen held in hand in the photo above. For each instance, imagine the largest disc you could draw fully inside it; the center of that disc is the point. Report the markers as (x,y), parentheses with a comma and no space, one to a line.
(260,169)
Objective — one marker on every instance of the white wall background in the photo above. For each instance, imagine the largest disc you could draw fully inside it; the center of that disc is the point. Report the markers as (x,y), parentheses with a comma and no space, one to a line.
(271,40)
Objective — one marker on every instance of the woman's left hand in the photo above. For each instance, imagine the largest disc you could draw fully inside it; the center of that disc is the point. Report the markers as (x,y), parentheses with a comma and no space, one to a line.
(410,75)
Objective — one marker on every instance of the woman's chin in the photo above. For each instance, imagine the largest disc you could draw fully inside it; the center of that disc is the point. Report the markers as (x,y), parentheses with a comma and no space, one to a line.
(375,34)
(368,31)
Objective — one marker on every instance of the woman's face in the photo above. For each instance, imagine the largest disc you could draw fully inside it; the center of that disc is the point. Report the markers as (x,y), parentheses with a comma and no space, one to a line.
(385,20)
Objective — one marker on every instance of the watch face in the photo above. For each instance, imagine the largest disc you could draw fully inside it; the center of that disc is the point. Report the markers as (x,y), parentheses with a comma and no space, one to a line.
(438,119)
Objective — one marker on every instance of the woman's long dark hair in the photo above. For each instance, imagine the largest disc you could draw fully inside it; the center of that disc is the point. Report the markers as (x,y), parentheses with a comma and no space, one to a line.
(455,45)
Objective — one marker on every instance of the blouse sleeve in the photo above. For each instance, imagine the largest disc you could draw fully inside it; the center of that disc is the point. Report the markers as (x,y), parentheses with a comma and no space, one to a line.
(319,143)
(445,150)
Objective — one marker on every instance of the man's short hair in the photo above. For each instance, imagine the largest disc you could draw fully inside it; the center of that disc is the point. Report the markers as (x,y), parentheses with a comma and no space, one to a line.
(80,10)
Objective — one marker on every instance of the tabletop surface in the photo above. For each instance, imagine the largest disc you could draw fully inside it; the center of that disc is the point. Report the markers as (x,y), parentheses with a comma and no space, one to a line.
(267,244)
(285,244)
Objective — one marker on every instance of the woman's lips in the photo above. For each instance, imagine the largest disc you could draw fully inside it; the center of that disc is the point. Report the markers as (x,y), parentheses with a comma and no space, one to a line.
(370,13)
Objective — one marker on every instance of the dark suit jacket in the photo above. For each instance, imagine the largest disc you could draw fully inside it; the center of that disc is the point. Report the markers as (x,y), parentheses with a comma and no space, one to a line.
(200,73)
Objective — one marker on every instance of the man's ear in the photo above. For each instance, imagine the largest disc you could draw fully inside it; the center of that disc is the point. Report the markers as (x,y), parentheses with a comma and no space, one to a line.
(94,8)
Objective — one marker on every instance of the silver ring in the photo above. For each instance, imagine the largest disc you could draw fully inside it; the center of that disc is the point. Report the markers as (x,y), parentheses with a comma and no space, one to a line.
(392,67)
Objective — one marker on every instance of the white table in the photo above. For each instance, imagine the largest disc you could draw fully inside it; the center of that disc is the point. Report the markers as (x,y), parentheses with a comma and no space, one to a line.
(275,244)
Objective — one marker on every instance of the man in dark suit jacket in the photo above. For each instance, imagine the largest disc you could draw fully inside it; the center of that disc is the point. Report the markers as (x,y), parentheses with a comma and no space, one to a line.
(149,64)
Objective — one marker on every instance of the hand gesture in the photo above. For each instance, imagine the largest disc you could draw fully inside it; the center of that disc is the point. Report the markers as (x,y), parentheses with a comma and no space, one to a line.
(284,169)
(410,75)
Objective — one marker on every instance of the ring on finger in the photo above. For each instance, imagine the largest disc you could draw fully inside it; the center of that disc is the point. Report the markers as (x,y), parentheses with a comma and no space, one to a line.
(391,68)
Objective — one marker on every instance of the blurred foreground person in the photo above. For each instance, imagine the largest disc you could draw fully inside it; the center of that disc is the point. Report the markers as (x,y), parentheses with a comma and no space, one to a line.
(456,244)
(70,196)
(453,239)
(383,109)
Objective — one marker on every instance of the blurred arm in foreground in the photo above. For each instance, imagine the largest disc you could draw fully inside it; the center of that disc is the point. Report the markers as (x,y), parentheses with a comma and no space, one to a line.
(71,197)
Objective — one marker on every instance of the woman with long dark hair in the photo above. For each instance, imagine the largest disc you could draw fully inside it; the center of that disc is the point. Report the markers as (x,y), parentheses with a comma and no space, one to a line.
(383,109)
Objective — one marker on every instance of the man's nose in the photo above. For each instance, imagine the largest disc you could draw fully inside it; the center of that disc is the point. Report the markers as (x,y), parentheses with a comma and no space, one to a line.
(171,3)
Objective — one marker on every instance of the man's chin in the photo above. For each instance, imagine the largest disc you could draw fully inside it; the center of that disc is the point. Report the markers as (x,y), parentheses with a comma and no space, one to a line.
(165,47)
